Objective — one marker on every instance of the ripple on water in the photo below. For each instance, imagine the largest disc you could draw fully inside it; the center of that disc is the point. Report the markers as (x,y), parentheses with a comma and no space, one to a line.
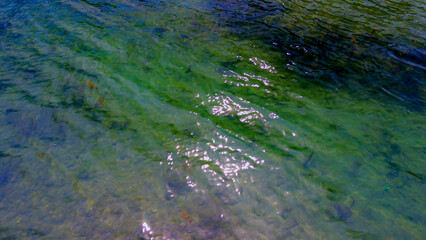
(114,123)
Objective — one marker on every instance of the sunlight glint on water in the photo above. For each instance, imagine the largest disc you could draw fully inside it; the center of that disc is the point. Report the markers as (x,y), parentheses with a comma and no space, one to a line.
(129,119)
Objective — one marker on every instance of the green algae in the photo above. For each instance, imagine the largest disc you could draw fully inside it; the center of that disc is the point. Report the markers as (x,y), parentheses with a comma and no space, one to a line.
(226,142)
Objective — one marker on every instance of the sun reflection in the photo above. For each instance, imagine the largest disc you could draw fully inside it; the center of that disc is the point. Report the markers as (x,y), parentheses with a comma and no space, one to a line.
(245,80)
(273,116)
(263,64)
(222,158)
(190,183)
(226,106)
(147,231)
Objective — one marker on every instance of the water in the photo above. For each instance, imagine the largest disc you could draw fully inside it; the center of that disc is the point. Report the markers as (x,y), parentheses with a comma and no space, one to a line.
(212,119)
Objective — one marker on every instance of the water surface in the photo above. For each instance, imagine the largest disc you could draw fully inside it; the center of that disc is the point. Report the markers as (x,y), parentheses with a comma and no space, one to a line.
(212,119)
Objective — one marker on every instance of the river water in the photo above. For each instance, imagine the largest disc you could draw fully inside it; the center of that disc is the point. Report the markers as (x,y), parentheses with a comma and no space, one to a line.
(198,119)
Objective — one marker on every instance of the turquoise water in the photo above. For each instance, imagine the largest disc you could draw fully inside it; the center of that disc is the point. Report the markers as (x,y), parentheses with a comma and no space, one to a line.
(129,119)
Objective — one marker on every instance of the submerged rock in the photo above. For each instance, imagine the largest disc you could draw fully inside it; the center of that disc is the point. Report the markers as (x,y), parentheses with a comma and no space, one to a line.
(343,213)
(160,30)
(340,212)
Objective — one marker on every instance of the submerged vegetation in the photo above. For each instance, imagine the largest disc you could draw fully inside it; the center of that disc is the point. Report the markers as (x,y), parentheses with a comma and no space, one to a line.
(128,119)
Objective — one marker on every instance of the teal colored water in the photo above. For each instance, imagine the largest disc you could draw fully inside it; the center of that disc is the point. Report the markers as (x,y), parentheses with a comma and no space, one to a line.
(271,119)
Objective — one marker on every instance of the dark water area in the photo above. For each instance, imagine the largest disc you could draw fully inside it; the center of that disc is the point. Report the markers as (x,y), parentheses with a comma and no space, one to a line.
(132,119)
(340,44)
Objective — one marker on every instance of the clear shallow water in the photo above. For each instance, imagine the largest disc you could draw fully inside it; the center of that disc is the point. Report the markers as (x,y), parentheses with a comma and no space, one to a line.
(212,120)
